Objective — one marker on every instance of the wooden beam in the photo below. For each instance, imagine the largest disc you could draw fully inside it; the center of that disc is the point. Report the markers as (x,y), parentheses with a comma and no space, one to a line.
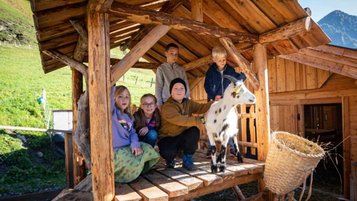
(137,51)
(262,103)
(78,26)
(144,16)
(99,5)
(68,61)
(313,52)
(168,7)
(240,60)
(143,65)
(197,10)
(100,108)
(197,63)
(333,67)
(285,32)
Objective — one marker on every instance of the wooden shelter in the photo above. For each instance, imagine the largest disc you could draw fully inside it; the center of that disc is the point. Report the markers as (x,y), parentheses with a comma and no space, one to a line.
(76,32)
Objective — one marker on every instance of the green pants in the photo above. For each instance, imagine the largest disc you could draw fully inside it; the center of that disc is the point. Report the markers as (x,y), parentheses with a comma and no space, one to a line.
(128,167)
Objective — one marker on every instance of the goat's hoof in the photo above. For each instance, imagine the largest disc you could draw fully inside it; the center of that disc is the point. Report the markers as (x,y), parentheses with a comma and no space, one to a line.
(214,168)
(239,158)
(222,168)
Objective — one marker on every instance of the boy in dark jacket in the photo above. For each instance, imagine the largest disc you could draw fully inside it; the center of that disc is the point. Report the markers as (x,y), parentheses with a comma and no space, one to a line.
(216,84)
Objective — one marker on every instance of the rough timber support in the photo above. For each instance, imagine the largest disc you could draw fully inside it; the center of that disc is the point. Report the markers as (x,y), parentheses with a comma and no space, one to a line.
(240,60)
(99,100)
(143,16)
(137,51)
(262,105)
(77,90)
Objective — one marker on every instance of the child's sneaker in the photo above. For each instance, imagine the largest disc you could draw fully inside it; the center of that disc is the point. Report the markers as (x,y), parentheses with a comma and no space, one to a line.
(170,163)
(187,162)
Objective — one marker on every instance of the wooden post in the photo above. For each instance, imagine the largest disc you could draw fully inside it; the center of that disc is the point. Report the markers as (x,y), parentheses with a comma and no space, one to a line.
(346,146)
(77,89)
(99,102)
(262,104)
(197,11)
(68,149)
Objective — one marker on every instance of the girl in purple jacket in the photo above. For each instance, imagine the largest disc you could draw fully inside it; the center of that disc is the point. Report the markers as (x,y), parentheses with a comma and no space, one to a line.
(131,157)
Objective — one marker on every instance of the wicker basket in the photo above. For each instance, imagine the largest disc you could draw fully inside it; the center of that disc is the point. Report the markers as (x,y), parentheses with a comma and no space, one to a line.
(290,160)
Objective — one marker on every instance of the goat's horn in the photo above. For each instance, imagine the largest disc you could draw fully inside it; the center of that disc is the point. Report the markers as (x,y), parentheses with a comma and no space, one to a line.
(231,78)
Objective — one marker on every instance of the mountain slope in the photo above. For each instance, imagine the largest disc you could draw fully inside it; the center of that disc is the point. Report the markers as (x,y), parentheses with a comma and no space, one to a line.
(341,28)
(16,25)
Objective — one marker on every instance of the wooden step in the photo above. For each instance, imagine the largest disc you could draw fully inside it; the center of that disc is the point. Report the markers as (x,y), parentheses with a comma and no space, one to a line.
(148,191)
(185,179)
(123,192)
(170,186)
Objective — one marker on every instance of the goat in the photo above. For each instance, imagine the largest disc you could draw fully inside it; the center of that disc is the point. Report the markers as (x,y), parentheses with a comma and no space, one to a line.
(222,121)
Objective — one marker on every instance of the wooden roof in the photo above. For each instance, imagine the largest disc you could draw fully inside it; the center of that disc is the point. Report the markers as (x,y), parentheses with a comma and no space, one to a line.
(339,60)
(55,31)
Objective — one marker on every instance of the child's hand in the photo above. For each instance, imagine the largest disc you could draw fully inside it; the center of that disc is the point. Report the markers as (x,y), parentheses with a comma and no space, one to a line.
(156,148)
(217,98)
(143,131)
(136,151)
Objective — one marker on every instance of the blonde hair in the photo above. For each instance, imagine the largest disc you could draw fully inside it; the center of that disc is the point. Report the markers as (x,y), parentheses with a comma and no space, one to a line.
(118,90)
(218,51)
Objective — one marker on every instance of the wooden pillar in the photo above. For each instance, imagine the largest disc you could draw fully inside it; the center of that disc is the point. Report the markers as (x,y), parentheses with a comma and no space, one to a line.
(99,103)
(78,163)
(68,149)
(346,146)
(262,102)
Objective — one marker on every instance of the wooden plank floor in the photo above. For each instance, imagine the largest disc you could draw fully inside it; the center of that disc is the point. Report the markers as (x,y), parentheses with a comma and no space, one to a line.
(179,184)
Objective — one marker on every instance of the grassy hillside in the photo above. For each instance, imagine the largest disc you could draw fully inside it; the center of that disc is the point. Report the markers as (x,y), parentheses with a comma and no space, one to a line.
(16,25)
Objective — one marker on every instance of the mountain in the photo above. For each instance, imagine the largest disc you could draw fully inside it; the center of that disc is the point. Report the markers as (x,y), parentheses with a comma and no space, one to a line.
(16,24)
(341,28)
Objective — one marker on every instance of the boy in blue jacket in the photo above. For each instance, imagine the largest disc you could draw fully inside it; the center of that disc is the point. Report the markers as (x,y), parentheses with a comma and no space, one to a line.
(216,84)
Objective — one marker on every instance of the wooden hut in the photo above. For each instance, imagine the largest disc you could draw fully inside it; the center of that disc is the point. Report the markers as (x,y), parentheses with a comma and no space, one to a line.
(76,32)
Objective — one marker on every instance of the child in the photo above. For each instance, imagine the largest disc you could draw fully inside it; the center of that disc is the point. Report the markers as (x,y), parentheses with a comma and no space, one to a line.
(147,119)
(215,84)
(131,158)
(179,128)
(168,71)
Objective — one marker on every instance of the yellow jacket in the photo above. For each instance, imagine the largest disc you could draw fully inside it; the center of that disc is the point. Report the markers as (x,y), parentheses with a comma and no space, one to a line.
(177,117)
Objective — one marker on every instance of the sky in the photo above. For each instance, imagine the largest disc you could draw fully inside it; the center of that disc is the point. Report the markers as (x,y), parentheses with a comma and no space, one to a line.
(320,8)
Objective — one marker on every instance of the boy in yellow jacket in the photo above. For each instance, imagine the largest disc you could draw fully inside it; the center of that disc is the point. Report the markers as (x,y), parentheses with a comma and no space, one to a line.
(179,130)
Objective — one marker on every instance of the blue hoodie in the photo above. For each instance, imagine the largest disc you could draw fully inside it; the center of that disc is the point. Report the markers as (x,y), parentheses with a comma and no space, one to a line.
(216,84)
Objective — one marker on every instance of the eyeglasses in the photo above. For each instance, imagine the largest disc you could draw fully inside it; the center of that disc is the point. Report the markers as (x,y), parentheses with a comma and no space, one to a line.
(148,104)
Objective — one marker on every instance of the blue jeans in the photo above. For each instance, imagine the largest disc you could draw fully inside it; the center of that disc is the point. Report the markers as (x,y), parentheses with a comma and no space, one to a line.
(150,137)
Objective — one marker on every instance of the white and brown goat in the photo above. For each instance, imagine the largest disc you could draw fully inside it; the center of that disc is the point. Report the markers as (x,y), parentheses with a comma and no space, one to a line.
(222,121)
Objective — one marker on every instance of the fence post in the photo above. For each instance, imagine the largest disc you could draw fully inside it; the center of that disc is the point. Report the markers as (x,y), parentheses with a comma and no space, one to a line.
(152,80)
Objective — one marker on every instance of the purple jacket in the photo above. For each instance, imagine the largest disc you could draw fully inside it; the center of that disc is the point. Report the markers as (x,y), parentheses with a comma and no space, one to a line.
(122,136)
